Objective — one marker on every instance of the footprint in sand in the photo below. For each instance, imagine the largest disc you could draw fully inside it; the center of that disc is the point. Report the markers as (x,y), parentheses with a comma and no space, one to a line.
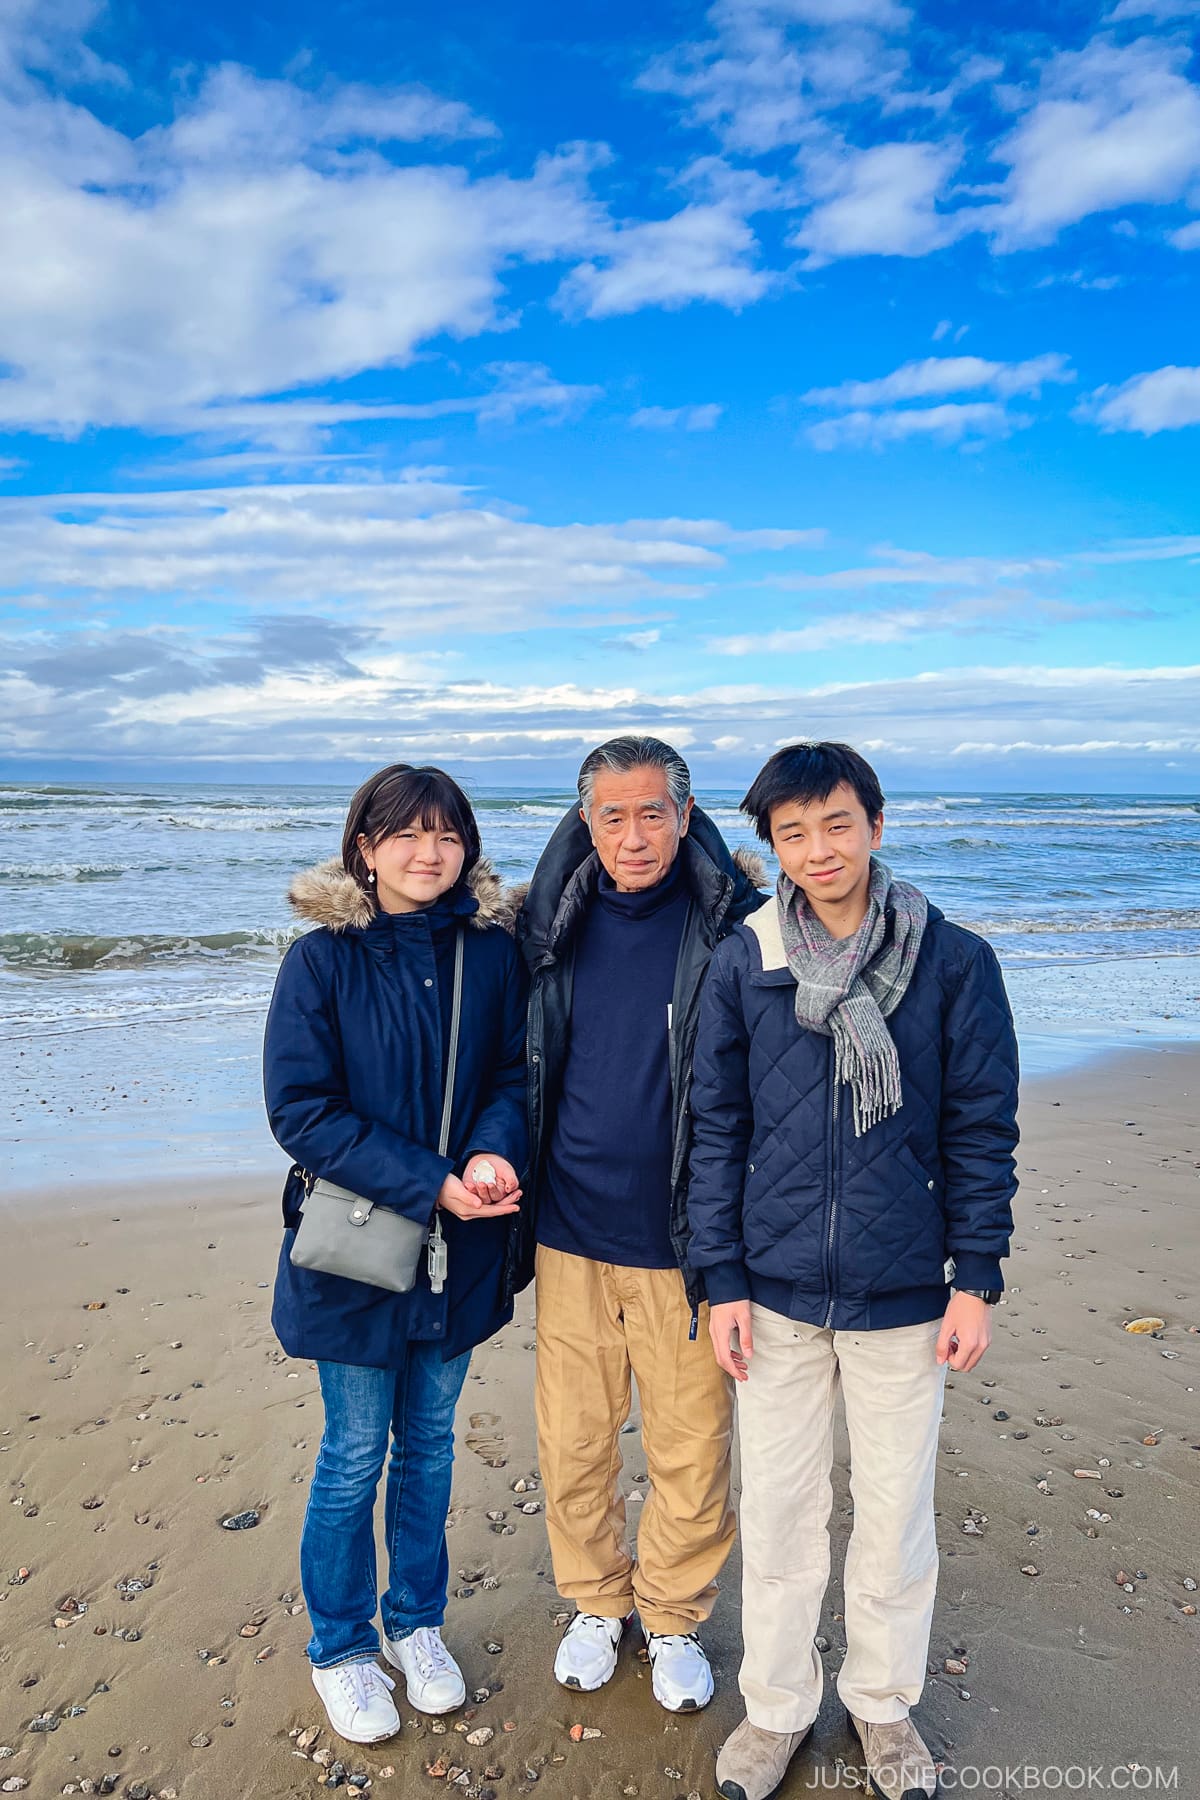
(486,1441)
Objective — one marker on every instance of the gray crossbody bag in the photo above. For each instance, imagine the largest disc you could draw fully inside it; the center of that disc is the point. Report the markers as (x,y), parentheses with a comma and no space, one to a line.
(340,1233)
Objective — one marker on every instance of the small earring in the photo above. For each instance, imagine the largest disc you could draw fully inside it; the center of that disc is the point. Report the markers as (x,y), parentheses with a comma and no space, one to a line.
(370,878)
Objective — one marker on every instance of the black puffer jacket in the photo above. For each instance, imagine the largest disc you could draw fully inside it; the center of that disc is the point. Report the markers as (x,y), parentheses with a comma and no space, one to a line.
(723,891)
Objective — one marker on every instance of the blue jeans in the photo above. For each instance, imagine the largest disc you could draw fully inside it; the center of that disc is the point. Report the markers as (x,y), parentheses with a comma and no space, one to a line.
(337,1544)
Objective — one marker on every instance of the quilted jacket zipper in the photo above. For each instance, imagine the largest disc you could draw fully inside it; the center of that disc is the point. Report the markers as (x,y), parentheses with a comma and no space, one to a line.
(833,1183)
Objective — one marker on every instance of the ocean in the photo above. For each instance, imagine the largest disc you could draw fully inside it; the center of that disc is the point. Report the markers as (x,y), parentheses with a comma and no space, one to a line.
(141,926)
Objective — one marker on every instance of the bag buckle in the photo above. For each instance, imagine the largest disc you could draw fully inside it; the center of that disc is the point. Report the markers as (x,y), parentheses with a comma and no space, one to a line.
(438,1259)
(360,1212)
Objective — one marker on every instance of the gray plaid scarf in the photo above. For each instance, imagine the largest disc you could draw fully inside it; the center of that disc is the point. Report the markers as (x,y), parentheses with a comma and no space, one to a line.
(847,987)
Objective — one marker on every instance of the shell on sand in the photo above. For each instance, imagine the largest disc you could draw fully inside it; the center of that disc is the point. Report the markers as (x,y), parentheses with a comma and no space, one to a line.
(1141,1326)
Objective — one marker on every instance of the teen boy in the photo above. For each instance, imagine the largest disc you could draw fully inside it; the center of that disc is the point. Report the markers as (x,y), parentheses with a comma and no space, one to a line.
(854,1107)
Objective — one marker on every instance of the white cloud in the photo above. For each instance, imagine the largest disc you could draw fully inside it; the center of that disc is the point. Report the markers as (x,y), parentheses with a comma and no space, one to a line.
(1090,747)
(239,119)
(260,241)
(884,13)
(1111,126)
(935,375)
(771,69)
(719,182)
(419,554)
(894,626)
(919,568)
(636,640)
(700,253)
(715,531)
(1187,237)
(1154,9)
(677,418)
(951,423)
(302,426)
(873,415)
(1160,400)
(347,702)
(1136,550)
(879,202)
(117,306)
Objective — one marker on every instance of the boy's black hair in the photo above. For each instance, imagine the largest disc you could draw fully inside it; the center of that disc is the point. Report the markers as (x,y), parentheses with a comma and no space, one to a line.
(807,772)
(395,798)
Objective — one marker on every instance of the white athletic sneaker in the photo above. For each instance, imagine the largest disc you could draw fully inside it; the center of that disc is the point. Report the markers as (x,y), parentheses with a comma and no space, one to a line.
(435,1683)
(587,1653)
(680,1675)
(357,1696)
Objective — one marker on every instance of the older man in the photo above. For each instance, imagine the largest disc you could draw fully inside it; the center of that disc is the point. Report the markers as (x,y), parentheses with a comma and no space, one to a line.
(630,898)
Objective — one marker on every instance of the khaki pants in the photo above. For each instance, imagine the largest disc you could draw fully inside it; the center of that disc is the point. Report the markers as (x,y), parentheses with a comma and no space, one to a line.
(597,1323)
(892,1388)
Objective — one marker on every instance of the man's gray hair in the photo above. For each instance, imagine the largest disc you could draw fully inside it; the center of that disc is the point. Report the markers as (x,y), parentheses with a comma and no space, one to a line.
(622,754)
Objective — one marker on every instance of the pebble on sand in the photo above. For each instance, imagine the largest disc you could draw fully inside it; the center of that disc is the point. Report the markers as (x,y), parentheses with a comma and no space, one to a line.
(243,1521)
(1030,1569)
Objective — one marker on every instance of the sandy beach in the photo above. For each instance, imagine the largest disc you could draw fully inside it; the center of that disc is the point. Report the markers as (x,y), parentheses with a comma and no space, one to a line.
(146,1651)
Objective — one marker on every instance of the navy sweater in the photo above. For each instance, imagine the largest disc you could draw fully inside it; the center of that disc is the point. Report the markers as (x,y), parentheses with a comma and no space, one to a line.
(608,1172)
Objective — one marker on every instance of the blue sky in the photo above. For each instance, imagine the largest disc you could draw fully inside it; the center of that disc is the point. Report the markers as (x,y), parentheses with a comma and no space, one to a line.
(371,389)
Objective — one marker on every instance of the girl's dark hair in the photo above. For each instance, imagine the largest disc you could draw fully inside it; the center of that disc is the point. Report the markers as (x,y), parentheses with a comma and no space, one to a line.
(395,798)
(807,772)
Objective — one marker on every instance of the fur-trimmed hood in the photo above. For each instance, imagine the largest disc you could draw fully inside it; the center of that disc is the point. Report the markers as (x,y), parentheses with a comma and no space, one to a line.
(753,867)
(327,895)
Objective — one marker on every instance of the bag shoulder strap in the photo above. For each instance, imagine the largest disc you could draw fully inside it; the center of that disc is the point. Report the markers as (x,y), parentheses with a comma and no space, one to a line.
(452,1053)
(451,1062)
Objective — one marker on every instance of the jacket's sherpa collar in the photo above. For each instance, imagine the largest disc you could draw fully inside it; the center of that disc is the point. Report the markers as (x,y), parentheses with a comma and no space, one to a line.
(766,928)
(327,895)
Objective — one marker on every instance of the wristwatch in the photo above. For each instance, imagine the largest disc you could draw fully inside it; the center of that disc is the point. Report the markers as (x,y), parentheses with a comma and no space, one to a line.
(989,1296)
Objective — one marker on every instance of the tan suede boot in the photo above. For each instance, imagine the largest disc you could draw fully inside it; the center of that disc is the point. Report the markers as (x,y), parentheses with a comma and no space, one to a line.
(752,1762)
(898,1761)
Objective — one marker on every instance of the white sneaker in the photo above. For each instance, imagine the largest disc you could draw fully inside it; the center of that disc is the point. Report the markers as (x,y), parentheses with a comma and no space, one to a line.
(680,1675)
(435,1682)
(358,1698)
(587,1653)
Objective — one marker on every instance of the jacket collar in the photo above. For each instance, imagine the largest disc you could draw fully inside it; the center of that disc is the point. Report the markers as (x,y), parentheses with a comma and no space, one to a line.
(327,895)
(765,930)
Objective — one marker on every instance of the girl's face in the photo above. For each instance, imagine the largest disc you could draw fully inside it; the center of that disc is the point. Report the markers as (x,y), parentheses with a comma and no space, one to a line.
(414,867)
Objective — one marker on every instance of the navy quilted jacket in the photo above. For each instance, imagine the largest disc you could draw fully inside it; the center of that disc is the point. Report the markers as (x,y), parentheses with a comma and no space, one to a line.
(787,1207)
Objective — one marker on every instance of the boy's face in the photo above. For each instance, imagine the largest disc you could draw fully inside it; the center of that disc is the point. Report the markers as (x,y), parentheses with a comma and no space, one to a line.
(825,845)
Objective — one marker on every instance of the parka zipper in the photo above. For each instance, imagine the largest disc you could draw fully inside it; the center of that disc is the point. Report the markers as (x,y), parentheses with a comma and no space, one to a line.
(833,1180)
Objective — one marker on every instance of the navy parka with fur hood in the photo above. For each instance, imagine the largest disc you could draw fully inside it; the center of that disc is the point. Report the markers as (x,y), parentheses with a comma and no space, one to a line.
(354,1065)
(788,1207)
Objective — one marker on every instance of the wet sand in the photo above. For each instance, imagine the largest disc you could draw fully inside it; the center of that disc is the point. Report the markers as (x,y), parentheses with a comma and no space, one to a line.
(131,1430)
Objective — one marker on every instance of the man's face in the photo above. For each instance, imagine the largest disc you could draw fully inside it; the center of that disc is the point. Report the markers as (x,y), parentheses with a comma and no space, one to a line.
(636,827)
(825,845)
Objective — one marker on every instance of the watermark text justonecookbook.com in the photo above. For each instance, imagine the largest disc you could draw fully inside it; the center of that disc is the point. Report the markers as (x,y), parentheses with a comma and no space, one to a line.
(1017,1779)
